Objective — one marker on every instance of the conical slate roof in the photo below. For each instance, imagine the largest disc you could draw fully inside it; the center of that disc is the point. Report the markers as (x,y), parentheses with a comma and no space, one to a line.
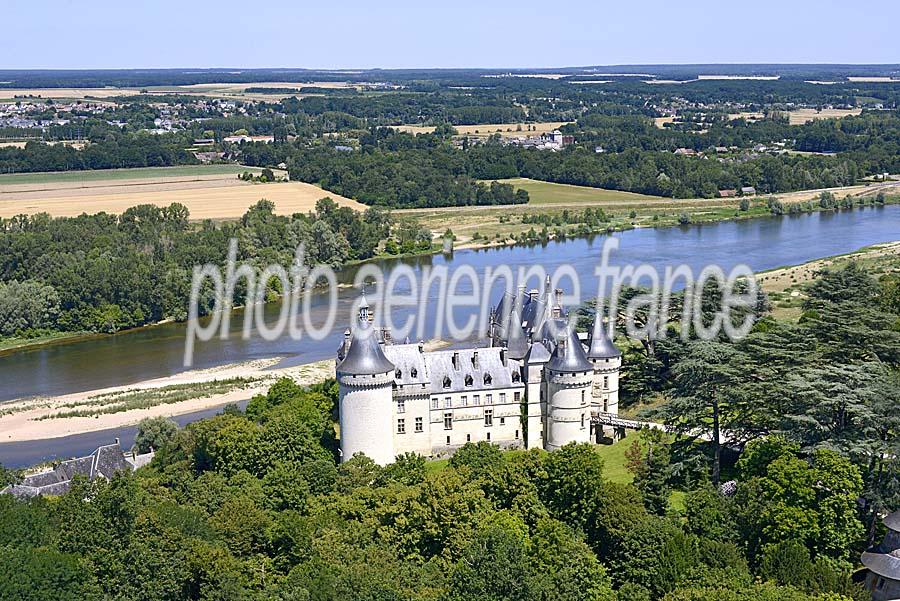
(600,346)
(884,558)
(568,356)
(365,357)
(516,342)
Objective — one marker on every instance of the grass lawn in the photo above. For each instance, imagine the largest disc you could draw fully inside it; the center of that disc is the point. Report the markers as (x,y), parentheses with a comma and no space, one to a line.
(548,193)
(60,177)
(614,459)
(14,343)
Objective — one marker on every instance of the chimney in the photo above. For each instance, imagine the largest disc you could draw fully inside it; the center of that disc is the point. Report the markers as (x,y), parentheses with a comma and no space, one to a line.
(533,293)
(421,346)
(456,360)
(503,356)
(475,359)
(117,440)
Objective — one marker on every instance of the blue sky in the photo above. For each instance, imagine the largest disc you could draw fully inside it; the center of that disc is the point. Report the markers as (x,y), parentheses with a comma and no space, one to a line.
(463,33)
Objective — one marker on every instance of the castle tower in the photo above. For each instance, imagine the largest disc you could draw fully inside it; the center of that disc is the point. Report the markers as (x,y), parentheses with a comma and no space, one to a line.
(606,360)
(569,376)
(883,562)
(365,382)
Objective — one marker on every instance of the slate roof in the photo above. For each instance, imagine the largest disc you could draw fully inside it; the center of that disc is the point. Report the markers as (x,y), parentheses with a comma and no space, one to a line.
(569,357)
(600,346)
(104,462)
(407,360)
(440,365)
(884,558)
(365,356)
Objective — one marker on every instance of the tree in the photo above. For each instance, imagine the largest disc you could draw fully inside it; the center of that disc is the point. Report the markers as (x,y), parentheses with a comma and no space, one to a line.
(154,433)
(710,402)
(28,305)
(648,459)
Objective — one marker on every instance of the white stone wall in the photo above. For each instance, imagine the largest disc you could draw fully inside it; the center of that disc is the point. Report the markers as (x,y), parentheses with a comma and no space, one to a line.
(412,410)
(366,417)
(605,390)
(569,408)
(535,411)
(467,419)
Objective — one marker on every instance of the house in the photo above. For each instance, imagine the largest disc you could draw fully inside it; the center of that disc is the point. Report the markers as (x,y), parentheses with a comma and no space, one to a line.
(882,562)
(686,152)
(727,193)
(748,191)
(104,462)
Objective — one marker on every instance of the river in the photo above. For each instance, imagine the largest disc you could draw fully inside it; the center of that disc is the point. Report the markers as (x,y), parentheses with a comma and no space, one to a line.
(158,351)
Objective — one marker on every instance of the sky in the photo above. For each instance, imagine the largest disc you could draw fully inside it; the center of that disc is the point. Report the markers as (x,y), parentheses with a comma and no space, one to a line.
(97,34)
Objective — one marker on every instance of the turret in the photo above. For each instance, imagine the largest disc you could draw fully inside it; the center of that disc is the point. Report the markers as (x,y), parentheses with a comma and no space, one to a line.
(606,360)
(569,377)
(365,382)
(883,562)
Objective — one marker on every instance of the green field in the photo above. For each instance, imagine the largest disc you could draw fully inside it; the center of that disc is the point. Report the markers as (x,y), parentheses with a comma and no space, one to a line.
(548,193)
(63,177)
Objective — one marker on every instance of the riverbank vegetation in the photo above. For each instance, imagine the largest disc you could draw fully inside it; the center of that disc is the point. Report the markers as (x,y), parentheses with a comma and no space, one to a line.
(254,503)
(104,273)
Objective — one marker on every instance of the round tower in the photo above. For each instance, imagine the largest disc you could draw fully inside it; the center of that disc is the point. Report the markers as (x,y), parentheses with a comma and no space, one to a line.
(365,382)
(569,378)
(607,362)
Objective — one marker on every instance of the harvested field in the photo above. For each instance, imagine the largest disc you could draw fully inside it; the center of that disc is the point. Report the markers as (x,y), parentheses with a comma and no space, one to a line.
(801,116)
(660,122)
(506,130)
(207,196)
(109,176)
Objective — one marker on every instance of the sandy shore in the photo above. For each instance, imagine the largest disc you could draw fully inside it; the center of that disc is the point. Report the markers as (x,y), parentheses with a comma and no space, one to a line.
(27,419)
(22,420)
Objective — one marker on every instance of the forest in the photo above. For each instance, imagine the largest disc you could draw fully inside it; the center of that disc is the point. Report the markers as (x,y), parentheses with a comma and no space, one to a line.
(104,273)
(253,504)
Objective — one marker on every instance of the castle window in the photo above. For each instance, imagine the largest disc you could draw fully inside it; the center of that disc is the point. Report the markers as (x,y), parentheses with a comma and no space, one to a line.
(489,436)
(448,422)
(582,421)
(605,382)
(488,379)
(398,374)
(582,397)
(434,403)
(476,399)
(488,418)
(401,406)
(418,424)
(448,402)
(488,399)
(605,405)
(502,421)
(469,380)
(517,396)
(517,435)
(448,440)
(446,381)
(468,438)
(464,400)
(414,373)
(401,426)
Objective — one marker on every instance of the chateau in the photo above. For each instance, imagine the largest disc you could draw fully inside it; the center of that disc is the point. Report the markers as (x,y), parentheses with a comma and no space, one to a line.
(537,384)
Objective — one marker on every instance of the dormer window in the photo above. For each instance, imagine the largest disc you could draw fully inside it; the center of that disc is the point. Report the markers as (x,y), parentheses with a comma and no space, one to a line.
(398,374)
(469,380)
(488,379)
(516,377)
(414,373)
(446,382)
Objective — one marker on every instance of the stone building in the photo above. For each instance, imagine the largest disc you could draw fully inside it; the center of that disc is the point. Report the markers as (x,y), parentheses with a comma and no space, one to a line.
(537,383)
(883,562)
